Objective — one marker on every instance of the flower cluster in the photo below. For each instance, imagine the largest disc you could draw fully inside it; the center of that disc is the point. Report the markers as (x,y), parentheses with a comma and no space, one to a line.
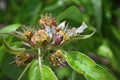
(50,34)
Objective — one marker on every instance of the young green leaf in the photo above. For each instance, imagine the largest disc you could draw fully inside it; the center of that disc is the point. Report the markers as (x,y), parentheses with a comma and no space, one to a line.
(84,65)
(75,17)
(34,73)
(10,28)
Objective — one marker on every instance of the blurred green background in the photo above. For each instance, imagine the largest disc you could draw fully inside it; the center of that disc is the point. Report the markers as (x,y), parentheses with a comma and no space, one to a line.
(103,47)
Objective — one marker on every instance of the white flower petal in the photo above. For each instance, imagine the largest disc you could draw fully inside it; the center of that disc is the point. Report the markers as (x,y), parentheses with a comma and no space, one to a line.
(49,30)
(61,25)
(81,28)
(71,32)
(66,27)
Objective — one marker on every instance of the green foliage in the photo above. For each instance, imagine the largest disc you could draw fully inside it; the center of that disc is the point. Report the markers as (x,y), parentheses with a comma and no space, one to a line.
(13,50)
(8,69)
(10,28)
(84,65)
(34,73)
(73,18)
(102,47)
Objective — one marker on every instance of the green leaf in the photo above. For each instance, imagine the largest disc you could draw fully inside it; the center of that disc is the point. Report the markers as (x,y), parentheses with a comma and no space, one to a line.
(75,18)
(66,72)
(97,6)
(34,73)
(10,28)
(36,13)
(116,32)
(116,50)
(48,74)
(13,50)
(84,65)
(104,50)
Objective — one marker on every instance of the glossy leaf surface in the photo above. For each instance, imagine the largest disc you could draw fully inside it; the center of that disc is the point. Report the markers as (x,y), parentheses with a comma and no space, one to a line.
(84,65)
(47,73)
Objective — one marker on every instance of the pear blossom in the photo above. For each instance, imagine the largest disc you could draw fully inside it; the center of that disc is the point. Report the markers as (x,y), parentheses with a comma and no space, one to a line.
(51,33)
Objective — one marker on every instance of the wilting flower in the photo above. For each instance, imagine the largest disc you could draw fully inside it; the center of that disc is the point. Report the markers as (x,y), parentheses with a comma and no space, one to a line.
(57,58)
(27,34)
(22,59)
(47,20)
(61,33)
(50,33)
(41,37)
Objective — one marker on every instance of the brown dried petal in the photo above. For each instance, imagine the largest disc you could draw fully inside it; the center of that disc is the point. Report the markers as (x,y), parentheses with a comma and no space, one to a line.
(57,58)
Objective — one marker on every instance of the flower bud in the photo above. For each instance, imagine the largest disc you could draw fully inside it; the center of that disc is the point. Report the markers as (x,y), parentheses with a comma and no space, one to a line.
(57,40)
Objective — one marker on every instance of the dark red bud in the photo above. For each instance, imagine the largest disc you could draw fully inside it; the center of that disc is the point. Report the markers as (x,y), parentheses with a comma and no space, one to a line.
(30,57)
(58,40)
